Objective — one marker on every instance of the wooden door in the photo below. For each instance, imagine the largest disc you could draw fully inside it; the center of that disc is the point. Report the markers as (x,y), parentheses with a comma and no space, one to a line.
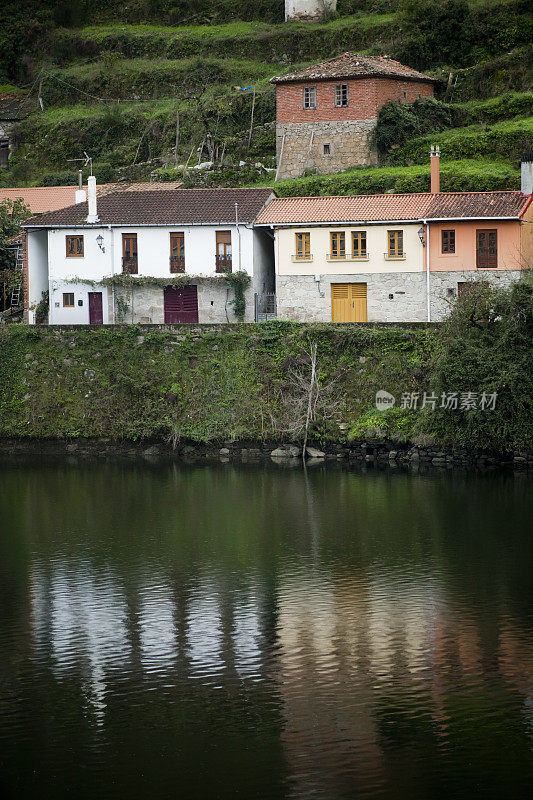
(96,312)
(348,302)
(486,248)
(181,304)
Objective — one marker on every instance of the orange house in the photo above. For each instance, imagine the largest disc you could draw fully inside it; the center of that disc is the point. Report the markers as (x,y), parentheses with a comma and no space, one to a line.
(491,239)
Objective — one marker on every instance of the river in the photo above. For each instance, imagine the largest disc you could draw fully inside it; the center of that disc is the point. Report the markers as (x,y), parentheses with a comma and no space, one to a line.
(224,632)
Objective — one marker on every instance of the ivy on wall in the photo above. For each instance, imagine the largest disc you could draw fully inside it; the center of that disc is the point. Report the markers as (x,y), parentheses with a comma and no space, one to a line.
(239,280)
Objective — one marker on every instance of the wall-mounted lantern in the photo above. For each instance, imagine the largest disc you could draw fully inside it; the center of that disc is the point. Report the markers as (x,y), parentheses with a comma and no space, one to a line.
(422,236)
(100,242)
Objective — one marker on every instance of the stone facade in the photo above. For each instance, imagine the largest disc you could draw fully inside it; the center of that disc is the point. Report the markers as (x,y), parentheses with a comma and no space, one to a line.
(146,306)
(308,9)
(324,147)
(347,129)
(399,297)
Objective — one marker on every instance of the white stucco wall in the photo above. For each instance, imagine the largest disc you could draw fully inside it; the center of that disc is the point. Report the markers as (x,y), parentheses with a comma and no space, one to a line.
(38,275)
(376,243)
(78,314)
(153,247)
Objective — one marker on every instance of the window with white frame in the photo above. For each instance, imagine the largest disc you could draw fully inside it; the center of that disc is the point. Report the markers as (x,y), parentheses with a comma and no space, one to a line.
(309,96)
(341,94)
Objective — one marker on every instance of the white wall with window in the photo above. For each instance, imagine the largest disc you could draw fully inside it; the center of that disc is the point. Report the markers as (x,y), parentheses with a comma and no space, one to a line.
(348,249)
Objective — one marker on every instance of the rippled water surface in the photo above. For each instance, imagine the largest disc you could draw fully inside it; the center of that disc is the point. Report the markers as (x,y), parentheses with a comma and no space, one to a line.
(193,632)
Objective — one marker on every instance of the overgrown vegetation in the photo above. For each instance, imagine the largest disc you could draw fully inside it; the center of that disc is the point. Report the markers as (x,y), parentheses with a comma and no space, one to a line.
(113,82)
(253,381)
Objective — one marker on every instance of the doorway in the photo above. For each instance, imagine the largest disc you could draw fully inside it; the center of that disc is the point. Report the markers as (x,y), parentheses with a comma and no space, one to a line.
(348,302)
(96,312)
(181,304)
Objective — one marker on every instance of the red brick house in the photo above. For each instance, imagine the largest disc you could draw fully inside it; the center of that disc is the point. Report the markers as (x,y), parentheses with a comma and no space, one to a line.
(325,114)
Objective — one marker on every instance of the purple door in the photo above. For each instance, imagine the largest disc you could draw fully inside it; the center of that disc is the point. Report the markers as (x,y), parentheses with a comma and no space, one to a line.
(96,313)
(181,304)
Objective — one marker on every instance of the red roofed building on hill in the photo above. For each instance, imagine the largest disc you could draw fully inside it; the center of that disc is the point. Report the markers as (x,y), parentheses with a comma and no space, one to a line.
(326,114)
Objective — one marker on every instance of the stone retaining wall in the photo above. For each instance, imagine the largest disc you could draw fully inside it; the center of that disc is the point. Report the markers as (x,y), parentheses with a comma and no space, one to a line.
(365,452)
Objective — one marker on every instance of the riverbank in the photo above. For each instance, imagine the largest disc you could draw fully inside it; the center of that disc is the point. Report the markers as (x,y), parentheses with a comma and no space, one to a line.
(454,393)
(369,453)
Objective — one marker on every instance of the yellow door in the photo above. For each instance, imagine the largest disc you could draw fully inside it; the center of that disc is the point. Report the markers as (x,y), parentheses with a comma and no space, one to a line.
(348,302)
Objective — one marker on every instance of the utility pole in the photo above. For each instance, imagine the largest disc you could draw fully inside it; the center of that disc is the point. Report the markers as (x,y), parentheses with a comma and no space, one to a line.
(177,138)
(251,118)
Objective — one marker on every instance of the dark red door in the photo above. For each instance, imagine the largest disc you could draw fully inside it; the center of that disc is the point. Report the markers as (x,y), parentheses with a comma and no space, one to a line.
(181,304)
(96,314)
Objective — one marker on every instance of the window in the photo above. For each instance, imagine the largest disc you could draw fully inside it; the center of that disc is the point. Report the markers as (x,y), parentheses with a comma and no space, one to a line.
(303,245)
(341,94)
(223,254)
(486,249)
(338,245)
(395,246)
(68,299)
(130,263)
(74,246)
(358,244)
(327,150)
(448,242)
(177,252)
(309,96)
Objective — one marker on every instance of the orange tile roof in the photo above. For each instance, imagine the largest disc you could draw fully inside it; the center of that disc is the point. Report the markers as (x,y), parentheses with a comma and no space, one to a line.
(41,199)
(352,65)
(392,207)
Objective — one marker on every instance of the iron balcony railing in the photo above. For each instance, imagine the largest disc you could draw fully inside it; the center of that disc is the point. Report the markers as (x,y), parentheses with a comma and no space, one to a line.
(177,263)
(130,265)
(223,263)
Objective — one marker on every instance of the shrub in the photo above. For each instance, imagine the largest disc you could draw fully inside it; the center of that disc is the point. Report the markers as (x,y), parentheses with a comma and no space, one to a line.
(485,346)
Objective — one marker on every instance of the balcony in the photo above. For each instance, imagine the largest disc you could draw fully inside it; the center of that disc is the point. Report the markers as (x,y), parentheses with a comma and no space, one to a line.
(307,257)
(177,263)
(400,256)
(130,266)
(347,257)
(223,263)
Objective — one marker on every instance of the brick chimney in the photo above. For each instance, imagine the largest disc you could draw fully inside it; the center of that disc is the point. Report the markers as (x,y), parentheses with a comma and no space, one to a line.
(435,168)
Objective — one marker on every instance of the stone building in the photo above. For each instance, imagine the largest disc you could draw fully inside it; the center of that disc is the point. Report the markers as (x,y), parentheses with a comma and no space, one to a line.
(326,114)
(308,9)
(149,256)
(393,258)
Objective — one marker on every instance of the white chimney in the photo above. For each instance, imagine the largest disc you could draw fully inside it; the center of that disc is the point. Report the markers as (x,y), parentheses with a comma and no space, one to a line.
(92,216)
(526,175)
(80,196)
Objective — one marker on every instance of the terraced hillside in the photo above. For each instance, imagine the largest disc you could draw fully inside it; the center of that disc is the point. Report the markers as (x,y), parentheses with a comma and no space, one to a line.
(142,93)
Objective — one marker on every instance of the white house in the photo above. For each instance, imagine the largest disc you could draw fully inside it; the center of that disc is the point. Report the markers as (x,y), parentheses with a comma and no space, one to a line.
(149,256)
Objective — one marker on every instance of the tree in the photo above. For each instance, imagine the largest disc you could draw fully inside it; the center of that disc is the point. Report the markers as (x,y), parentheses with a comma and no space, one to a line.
(12,213)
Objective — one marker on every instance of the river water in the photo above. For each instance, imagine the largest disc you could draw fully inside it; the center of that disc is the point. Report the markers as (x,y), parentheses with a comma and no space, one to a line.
(222,632)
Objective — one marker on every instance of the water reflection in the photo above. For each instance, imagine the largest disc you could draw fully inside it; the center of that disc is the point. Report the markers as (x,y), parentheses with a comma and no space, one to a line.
(338,631)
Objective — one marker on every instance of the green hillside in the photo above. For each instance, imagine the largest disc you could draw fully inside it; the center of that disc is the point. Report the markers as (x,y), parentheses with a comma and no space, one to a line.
(119,84)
